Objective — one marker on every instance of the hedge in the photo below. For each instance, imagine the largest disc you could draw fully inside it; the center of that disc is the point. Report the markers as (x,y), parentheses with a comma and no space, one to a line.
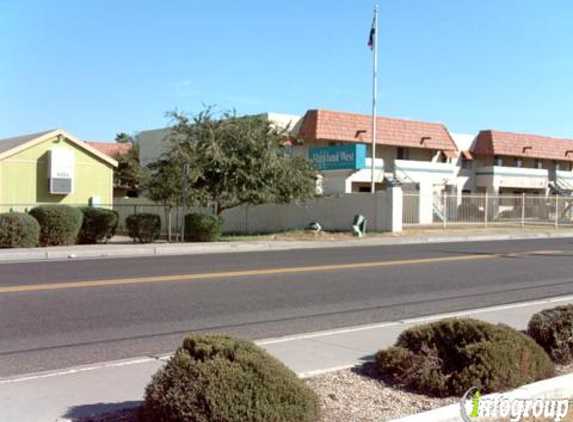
(448,357)
(144,227)
(99,225)
(203,227)
(223,379)
(552,329)
(59,224)
(18,230)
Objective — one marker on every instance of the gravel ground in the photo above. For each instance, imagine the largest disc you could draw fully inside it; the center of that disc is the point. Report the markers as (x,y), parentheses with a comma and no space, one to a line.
(356,395)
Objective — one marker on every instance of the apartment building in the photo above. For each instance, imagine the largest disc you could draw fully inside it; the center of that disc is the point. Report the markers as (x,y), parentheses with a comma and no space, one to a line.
(422,157)
(510,163)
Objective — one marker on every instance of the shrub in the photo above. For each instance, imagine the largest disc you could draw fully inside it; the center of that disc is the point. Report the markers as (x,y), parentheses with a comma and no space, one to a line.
(552,329)
(203,227)
(448,357)
(144,227)
(59,224)
(99,224)
(18,230)
(219,378)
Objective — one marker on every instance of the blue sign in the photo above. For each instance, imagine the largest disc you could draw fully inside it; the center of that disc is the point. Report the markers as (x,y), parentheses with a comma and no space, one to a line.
(340,157)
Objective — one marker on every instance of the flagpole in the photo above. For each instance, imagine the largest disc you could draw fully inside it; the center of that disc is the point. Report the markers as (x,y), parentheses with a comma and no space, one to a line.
(374,89)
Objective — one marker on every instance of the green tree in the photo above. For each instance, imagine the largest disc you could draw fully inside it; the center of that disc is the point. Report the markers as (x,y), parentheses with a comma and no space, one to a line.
(123,138)
(236,161)
(164,184)
(130,174)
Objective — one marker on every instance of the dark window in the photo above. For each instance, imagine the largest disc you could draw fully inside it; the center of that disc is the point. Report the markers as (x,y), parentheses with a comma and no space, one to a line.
(402,153)
(518,162)
(538,164)
(466,164)
(497,161)
(364,189)
(557,166)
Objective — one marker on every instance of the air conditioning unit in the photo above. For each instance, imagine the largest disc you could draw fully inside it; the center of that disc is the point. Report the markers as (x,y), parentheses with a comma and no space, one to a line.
(61,163)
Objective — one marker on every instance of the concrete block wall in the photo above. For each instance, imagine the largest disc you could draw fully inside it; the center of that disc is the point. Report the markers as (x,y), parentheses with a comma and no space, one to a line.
(383,211)
(333,214)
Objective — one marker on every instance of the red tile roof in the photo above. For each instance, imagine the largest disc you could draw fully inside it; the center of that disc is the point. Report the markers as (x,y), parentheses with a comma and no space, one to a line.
(492,142)
(350,127)
(467,155)
(110,148)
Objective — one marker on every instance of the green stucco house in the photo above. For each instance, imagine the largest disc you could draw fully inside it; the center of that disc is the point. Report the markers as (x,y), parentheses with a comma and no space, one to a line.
(53,167)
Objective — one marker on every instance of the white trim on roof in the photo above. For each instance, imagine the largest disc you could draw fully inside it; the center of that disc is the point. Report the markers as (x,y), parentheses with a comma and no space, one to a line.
(68,136)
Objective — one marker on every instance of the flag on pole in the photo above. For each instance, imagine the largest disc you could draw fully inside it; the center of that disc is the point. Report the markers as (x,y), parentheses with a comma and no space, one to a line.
(372,34)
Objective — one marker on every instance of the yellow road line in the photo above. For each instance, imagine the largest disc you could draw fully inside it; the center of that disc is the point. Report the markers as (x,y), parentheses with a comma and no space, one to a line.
(245,273)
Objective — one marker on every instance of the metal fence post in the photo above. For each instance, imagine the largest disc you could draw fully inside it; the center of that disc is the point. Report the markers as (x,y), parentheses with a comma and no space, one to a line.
(557,211)
(445,209)
(485,210)
(523,210)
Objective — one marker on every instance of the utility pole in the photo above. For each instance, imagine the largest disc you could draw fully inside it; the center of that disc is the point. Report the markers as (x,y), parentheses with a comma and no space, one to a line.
(373,43)
(185,176)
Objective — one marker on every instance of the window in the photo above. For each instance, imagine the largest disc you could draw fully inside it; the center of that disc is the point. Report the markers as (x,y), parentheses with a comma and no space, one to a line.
(557,165)
(497,160)
(538,164)
(466,164)
(402,153)
(518,162)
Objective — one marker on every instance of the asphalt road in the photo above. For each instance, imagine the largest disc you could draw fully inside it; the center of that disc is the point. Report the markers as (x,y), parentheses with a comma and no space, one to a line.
(64,313)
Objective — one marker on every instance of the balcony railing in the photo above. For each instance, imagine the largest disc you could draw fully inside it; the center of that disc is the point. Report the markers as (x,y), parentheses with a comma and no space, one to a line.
(512,177)
(418,171)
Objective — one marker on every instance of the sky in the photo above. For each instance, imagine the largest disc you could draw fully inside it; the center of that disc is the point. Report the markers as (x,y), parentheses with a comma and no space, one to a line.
(100,67)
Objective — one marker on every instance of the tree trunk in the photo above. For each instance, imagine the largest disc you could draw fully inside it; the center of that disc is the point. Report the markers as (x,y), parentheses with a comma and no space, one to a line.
(169,224)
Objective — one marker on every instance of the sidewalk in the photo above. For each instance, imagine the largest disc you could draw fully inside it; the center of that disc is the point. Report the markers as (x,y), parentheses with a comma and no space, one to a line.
(124,249)
(73,393)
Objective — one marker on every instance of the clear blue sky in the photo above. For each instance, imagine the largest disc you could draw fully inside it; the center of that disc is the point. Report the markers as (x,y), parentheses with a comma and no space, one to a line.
(98,67)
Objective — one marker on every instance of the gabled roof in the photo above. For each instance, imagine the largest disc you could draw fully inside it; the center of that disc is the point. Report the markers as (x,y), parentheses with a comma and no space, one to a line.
(110,148)
(11,146)
(350,127)
(492,142)
(9,143)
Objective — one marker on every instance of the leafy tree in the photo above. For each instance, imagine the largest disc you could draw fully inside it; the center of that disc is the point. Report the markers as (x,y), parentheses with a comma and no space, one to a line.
(123,138)
(237,161)
(130,174)
(164,184)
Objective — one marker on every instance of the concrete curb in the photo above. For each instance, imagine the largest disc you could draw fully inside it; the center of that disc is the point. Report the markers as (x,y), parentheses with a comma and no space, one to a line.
(123,251)
(552,388)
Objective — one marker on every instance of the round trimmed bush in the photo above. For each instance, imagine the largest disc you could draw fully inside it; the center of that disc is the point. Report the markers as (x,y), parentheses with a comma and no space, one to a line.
(59,224)
(223,379)
(99,225)
(552,329)
(144,227)
(450,356)
(203,227)
(18,230)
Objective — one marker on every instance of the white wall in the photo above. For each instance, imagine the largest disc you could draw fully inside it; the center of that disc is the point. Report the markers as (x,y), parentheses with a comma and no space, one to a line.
(383,211)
